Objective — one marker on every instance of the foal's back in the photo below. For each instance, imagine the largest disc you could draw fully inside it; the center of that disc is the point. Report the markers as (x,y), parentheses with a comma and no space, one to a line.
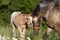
(20,19)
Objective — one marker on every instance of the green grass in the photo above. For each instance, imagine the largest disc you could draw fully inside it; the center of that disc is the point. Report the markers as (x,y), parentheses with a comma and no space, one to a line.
(7,31)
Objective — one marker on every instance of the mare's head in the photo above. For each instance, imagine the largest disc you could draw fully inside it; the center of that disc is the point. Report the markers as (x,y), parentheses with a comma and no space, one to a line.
(37,14)
(36,25)
(36,19)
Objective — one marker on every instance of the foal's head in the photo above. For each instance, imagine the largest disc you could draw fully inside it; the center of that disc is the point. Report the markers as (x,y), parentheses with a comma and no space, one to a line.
(29,20)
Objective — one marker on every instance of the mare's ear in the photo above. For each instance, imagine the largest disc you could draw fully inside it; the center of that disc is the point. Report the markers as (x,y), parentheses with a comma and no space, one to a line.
(30,14)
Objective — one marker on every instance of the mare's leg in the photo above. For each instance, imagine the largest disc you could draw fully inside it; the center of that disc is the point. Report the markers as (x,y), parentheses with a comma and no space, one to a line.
(45,36)
(49,30)
(22,30)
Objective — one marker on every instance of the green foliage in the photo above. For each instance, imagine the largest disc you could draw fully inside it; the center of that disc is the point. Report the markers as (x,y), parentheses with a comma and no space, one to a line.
(9,6)
(5,2)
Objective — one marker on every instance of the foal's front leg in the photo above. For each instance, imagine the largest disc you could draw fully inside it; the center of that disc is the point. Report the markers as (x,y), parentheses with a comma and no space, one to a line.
(22,30)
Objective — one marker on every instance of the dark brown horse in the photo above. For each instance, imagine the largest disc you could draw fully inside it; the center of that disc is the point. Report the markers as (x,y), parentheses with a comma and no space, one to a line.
(49,10)
(36,19)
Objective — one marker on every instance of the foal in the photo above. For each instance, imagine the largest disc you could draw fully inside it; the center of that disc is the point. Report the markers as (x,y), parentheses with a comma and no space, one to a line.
(19,19)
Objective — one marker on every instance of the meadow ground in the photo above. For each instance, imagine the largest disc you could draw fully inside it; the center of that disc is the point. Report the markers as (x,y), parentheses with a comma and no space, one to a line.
(6,32)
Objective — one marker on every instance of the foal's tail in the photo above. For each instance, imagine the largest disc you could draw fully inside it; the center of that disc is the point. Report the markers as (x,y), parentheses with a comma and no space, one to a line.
(13,24)
(12,21)
(13,16)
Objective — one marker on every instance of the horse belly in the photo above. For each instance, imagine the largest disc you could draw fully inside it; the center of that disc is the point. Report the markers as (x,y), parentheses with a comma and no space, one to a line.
(56,18)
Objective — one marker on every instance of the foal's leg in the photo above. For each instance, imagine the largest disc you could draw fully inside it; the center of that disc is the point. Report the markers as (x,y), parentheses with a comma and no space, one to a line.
(45,36)
(14,31)
(22,34)
(14,35)
(22,30)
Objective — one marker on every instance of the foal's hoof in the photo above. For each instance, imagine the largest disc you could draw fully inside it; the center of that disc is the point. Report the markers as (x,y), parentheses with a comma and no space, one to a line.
(28,38)
(14,38)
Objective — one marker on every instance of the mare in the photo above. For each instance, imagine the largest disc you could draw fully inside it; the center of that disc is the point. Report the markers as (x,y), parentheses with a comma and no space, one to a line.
(19,19)
(49,10)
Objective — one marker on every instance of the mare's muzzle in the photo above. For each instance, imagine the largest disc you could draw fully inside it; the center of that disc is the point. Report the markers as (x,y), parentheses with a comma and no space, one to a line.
(36,30)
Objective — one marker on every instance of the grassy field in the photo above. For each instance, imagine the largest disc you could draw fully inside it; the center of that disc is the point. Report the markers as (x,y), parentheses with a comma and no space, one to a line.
(7,32)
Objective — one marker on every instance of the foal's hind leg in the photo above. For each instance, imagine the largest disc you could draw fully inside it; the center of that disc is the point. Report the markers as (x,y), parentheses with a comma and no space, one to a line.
(22,30)
(13,30)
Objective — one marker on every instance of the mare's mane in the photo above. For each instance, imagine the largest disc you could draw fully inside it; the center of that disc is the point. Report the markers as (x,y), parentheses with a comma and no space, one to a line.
(44,9)
(36,10)
(57,4)
(24,13)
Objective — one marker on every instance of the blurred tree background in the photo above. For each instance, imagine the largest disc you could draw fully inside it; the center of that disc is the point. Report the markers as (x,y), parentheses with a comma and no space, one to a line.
(9,6)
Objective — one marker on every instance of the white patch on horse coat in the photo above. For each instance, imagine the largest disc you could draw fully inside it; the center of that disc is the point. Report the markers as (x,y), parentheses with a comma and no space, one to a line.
(49,30)
(43,5)
(14,38)
(3,38)
(28,38)
(30,19)
(0,37)
(14,14)
(22,33)
(35,19)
